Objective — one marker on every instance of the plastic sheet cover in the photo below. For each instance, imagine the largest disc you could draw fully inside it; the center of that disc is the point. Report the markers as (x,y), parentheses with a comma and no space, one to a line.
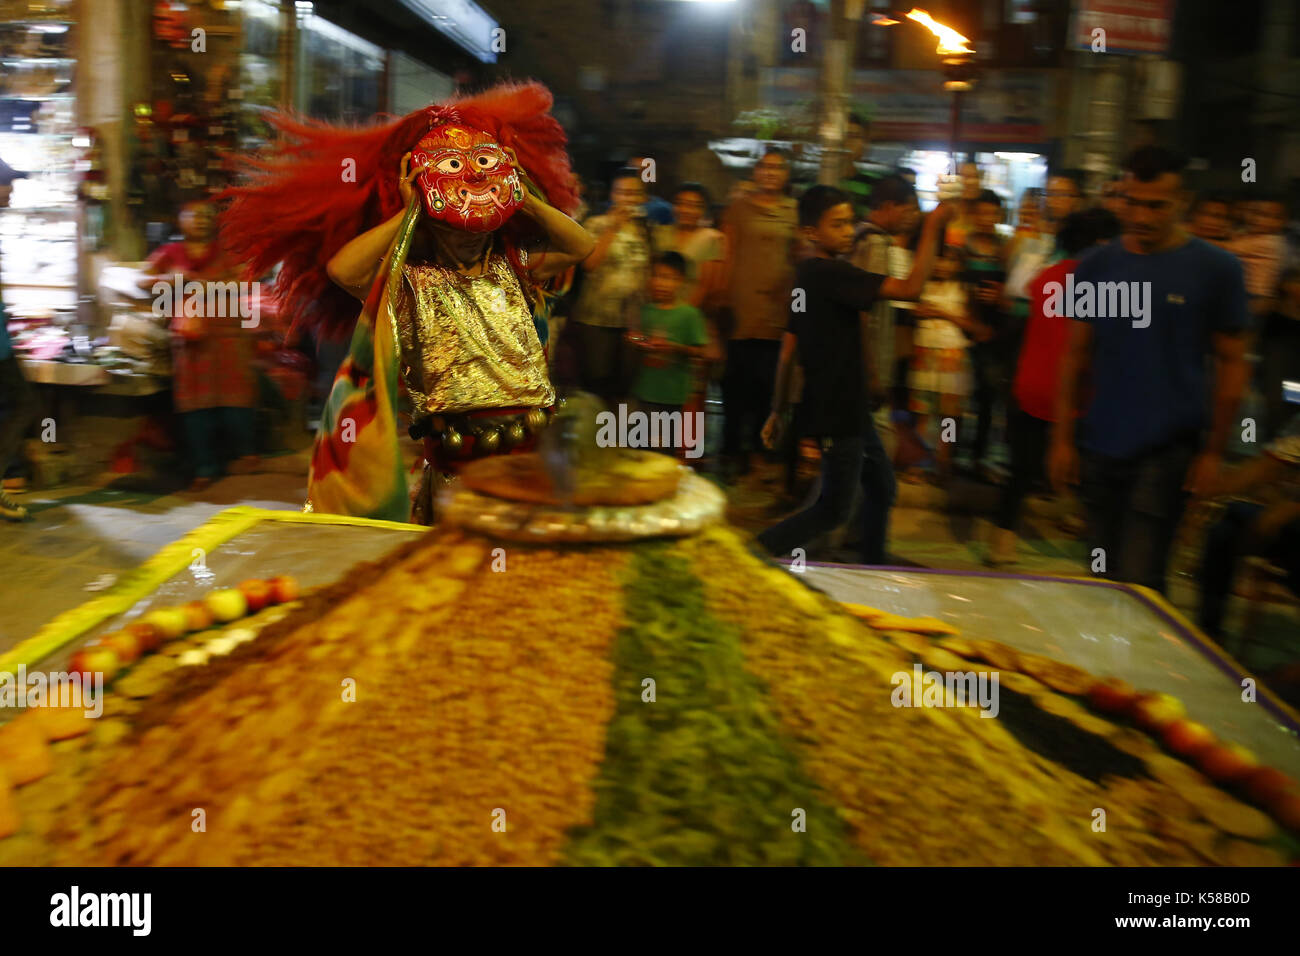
(1106,629)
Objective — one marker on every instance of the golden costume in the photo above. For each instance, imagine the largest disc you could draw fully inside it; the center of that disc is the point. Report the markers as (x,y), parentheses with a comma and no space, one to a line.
(468,343)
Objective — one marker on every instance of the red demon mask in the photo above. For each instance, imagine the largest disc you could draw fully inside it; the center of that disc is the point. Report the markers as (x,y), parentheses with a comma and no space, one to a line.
(471,182)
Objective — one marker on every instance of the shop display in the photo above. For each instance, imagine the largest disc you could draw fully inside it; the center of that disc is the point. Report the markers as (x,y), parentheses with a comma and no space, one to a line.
(260,71)
(38,232)
(672,699)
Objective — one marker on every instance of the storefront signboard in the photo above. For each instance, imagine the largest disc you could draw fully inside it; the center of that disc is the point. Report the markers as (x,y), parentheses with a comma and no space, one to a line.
(1130,26)
(911,106)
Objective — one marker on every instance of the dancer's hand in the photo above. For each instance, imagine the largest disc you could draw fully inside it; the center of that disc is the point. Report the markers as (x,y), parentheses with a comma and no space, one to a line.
(405,183)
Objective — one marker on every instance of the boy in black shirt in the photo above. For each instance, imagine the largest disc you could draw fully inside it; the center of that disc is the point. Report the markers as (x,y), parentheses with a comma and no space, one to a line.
(828,311)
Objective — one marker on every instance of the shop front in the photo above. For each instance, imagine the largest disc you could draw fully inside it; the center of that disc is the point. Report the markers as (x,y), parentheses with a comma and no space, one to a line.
(121,125)
(38,127)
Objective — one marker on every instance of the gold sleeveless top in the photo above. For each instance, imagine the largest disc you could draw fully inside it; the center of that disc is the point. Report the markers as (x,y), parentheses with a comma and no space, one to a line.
(468,343)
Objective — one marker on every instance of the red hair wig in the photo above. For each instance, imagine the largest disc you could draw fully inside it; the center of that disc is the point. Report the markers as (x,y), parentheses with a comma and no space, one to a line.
(322,185)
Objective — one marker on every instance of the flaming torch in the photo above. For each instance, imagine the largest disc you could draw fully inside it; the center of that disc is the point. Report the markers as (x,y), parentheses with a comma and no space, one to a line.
(958,68)
(951,43)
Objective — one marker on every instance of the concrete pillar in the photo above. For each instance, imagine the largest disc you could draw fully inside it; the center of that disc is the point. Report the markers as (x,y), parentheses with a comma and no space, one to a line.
(112,73)
(837,70)
(1097,112)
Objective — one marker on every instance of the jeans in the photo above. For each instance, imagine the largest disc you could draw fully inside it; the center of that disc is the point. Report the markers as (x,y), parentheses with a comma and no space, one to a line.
(1134,506)
(747,387)
(988,368)
(202,430)
(656,408)
(1226,543)
(601,351)
(846,463)
(1027,437)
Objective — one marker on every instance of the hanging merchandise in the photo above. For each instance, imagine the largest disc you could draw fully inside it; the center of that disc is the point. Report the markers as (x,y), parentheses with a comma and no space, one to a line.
(169,23)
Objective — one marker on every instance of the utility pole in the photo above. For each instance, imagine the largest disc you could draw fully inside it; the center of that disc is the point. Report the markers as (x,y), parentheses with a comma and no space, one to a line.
(837,70)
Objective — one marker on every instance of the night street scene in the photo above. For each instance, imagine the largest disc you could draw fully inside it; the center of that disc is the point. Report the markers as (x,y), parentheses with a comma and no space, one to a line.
(649,433)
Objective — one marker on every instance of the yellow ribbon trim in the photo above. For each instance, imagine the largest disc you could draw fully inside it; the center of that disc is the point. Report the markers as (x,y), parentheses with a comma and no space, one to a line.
(143,580)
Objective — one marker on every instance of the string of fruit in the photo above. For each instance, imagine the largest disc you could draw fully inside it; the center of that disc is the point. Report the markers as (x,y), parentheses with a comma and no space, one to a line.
(1230,765)
(1164,717)
(114,651)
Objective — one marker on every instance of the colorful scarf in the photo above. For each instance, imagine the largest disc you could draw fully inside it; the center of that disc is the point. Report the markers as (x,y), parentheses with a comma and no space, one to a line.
(356,464)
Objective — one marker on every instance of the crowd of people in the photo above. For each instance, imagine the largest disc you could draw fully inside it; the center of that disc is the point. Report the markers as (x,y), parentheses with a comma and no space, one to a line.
(826,314)
(818,315)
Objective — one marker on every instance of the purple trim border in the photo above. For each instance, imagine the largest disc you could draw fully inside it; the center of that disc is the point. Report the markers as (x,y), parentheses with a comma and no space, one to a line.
(1220,659)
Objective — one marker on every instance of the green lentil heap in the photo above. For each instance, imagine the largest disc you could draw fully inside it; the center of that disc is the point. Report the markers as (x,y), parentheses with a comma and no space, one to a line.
(701,775)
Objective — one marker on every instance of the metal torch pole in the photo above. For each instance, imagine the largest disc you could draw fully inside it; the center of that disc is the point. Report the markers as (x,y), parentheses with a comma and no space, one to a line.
(954,130)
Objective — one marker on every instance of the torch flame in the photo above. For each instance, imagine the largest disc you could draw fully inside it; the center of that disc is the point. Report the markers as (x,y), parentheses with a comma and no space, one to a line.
(884,20)
(950,41)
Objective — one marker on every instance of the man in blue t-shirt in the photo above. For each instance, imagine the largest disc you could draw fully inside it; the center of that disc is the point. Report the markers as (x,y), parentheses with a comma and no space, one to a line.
(1151,311)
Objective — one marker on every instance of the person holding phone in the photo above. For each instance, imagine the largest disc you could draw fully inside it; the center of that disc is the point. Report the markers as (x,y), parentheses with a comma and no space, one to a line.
(613,290)
(985,274)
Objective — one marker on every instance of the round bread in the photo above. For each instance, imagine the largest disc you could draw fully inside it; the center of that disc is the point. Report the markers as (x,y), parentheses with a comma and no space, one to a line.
(1065,678)
(1242,853)
(624,477)
(958,645)
(9,818)
(24,751)
(999,655)
(63,723)
(936,658)
(1229,814)
(1022,684)
(914,644)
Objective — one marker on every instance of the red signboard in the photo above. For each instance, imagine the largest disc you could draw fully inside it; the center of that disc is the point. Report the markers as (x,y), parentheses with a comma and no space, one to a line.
(1131,26)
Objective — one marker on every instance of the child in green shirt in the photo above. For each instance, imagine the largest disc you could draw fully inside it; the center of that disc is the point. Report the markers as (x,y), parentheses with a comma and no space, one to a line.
(671,338)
